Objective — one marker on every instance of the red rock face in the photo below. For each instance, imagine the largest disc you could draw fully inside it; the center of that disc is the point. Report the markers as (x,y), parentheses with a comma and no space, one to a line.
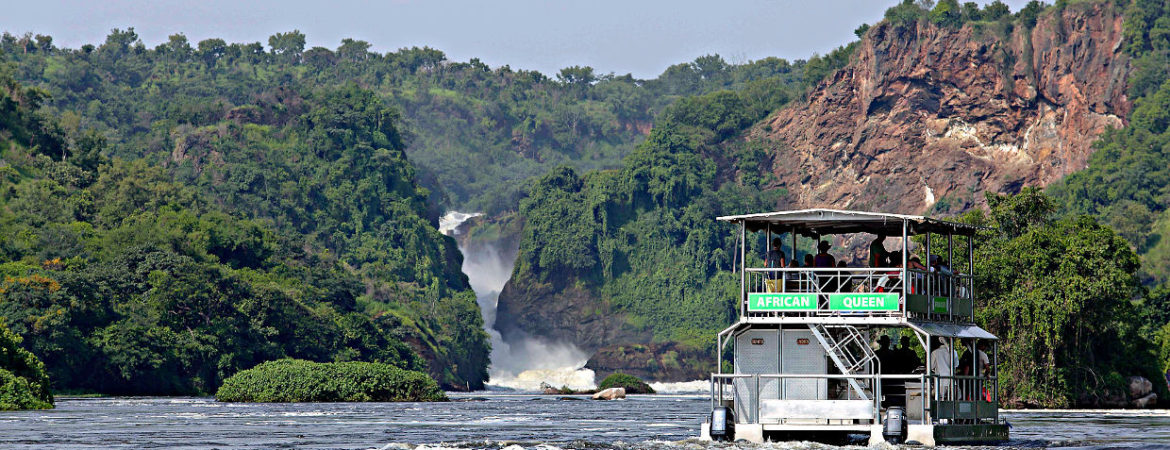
(927,118)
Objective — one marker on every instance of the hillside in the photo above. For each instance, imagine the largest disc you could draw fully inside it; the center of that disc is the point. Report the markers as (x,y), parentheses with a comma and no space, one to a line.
(474,132)
(932,110)
(126,277)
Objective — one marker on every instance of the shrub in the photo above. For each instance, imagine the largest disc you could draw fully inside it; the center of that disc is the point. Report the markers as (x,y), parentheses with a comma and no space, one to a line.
(295,380)
(23,383)
(632,384)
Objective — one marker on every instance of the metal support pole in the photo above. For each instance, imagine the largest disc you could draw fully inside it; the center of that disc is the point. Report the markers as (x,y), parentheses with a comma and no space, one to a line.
(743,268)
(995,369)
(971,273)
(950,279)
(954,397)
(794,246)
(929,295)
(907,285)
(756,406)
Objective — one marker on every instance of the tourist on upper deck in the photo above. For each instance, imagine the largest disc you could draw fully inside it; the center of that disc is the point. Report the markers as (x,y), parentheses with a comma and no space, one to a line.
(775,259)
(916,263)
(878,257)
(939,265)
(808,260)
(823,258)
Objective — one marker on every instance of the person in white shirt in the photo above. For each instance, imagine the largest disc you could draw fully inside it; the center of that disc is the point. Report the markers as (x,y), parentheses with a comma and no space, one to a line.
(942,363)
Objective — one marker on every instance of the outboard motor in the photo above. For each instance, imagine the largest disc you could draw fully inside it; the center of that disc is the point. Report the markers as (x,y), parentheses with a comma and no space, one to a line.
(895,429)
(722,424)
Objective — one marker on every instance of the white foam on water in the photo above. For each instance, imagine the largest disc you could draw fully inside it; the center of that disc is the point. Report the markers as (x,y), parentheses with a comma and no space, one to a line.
(452,219)
(682,387)
(528,362)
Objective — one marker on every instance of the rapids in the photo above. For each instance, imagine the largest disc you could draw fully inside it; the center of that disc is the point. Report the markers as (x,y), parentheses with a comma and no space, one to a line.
(477,420)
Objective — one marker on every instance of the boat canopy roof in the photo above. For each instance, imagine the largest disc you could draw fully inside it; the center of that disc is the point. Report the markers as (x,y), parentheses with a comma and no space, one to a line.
(817,222)
(954,330)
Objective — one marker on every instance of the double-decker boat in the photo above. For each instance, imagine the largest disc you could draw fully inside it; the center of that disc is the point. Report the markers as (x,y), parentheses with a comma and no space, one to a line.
(803,364)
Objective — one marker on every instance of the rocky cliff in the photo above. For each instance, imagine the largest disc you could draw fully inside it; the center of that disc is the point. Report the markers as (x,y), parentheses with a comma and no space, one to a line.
(926,117)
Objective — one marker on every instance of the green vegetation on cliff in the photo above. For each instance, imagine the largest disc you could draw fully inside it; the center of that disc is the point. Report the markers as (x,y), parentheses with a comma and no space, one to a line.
(632,384)
(1127,181)
(641,238)
(296,231)
(294,380)
(23,382)
(1060,294)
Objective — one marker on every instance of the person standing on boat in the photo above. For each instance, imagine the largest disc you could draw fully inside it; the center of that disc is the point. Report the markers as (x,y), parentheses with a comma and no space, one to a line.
(942,364)
(877,252)
(907,359)
(823,258)
(775,259)
(887,360)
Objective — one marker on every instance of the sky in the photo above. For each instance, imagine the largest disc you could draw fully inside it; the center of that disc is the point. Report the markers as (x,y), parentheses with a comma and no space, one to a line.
(631,36)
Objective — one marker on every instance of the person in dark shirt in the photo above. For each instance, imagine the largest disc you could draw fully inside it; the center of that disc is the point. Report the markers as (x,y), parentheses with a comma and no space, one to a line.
(775,259)
(907,358)
(887,360)
(878,257)
(823,258)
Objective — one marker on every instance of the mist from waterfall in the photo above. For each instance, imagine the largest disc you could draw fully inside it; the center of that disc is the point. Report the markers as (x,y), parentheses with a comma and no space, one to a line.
(522,364)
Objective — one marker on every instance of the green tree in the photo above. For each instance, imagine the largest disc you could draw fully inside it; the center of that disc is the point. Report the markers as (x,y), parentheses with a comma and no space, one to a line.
(1060,293)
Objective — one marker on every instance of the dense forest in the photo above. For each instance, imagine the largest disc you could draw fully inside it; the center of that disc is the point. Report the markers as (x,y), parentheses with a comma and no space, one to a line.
(475,133)
(172,215)
(127,277)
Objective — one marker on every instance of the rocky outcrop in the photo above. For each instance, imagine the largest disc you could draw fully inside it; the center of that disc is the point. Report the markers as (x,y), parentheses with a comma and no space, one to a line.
(926,116)
(667,361)
(560,313)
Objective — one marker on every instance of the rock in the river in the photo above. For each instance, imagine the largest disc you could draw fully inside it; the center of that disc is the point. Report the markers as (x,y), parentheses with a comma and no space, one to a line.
(610,394)
(1139,387)
(1147,401)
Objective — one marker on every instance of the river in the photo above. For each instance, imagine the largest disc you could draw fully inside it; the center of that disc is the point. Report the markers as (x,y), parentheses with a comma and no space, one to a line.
(475,420)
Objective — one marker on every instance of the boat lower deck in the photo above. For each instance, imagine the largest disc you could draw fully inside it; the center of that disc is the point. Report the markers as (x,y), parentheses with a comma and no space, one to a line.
(929,435)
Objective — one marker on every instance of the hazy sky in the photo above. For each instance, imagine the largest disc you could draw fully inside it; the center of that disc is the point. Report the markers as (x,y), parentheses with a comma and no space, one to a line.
(631,36)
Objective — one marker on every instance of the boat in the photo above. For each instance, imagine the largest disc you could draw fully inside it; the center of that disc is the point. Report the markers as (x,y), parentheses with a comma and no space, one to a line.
(803,364)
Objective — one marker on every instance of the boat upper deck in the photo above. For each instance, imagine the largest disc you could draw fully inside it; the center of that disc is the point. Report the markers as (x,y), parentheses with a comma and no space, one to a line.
(897,285)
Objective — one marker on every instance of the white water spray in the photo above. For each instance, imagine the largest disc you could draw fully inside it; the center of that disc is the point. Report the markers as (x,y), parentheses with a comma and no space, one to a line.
(527,363)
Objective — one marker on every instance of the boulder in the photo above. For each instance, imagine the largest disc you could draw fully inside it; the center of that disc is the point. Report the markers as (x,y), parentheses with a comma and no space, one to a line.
(610,394)
(1147,401)
(1139,387)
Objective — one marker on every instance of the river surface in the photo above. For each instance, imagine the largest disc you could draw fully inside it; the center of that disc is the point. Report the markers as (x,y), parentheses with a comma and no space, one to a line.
(476,420)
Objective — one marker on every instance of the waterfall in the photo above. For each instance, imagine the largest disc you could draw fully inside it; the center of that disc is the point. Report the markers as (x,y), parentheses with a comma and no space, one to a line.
(522,364)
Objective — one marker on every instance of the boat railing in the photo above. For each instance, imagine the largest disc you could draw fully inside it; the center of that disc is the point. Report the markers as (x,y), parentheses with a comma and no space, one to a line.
(725,387)
(949,399)
(856,291)
(940,295)
(965,398)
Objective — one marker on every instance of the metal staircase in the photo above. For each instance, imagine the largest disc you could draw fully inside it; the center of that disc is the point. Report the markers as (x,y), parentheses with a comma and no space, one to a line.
(849,350)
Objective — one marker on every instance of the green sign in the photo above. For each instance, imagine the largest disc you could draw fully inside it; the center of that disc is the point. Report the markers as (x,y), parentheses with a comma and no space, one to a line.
(863,302)
(782,302)
(940,305)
